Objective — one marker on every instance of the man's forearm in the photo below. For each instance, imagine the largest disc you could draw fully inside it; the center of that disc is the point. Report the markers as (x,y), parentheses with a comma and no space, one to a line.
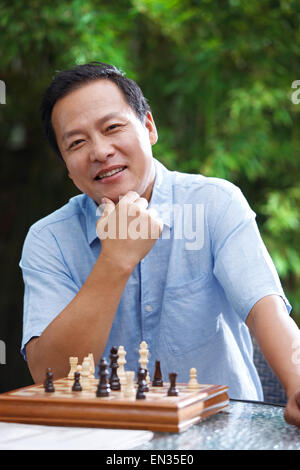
(278,337)
(83,326)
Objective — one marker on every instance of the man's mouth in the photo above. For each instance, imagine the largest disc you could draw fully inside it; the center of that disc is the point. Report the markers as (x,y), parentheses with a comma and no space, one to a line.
(112,172)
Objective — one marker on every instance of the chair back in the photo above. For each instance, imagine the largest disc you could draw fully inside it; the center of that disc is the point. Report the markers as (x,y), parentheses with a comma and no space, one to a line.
(274,393)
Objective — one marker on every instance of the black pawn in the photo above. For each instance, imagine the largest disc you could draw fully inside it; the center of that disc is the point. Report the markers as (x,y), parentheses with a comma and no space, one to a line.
(114,379)
(76,386)
(142,374)
(103,389)
(142,384)
(157,379)
(48,384)
(146,387)
(172,392)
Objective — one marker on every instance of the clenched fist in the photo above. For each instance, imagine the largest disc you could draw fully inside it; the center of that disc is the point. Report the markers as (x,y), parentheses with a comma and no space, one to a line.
(128,230)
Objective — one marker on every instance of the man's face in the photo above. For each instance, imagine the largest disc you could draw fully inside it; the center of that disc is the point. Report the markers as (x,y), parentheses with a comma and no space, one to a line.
(98,133)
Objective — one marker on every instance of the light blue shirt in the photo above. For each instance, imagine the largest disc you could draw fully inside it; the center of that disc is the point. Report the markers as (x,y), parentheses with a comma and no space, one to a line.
(188,298)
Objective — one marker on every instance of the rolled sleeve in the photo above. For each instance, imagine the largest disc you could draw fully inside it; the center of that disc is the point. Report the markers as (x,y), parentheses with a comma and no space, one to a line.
(48,285)
(242,263)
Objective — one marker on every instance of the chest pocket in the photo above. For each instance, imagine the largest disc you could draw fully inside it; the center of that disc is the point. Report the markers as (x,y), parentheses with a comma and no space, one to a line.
(190,315)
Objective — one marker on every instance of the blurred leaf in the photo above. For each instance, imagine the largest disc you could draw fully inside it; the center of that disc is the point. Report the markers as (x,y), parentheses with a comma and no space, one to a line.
(218,77)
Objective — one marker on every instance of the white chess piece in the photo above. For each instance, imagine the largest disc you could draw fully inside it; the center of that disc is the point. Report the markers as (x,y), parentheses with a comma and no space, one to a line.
(85,372)
(143,360)
(121,362)
(123,383)
(193,383)
(92,365)
(73,363)
(129,389)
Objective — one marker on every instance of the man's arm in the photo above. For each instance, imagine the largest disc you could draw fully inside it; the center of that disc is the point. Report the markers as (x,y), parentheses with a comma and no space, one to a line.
(279,339)
(83,326)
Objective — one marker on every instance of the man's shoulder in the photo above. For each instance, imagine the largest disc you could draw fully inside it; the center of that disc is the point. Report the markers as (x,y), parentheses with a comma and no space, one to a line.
(205,184)
(187,187)
(73,208)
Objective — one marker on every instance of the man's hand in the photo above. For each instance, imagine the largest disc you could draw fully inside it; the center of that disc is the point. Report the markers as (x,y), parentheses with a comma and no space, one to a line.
(292,409)
(277,335)
(128,230)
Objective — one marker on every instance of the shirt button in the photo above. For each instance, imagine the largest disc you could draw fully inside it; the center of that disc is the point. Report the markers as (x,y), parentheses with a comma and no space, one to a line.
(148,308)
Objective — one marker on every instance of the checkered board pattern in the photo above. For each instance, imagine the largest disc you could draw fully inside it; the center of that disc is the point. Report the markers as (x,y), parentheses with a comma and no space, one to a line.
(63,389)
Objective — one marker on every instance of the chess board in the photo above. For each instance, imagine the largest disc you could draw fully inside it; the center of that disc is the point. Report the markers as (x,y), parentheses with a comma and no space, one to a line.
(157,412)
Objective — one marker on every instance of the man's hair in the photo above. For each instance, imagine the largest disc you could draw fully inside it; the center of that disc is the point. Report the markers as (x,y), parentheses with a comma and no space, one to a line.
(66,81)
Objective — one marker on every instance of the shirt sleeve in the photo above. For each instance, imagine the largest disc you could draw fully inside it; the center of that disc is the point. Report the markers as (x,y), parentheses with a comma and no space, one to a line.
(48,285)
(242,263)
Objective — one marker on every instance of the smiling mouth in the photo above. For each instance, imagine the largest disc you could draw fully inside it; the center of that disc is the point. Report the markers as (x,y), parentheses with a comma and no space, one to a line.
(107,174)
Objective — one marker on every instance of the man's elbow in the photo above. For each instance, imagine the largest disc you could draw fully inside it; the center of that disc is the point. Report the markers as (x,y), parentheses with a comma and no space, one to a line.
(32,360)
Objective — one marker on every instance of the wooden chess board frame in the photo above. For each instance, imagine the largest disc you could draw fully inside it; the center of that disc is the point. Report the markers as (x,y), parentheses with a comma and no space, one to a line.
(157,412)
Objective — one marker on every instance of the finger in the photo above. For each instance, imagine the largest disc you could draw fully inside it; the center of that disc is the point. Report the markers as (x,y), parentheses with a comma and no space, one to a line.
(104,210)
(142,203)
(131,196)
(108,206)
(297,398)
(291,416)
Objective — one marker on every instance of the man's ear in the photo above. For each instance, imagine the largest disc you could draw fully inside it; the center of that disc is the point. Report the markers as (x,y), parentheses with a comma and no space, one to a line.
(150,125)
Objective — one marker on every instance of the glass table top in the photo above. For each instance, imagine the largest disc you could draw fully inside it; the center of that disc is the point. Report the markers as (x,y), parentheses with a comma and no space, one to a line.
(242,426)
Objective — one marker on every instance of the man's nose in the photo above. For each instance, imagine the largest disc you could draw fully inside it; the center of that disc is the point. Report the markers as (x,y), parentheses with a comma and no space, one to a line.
(101,149)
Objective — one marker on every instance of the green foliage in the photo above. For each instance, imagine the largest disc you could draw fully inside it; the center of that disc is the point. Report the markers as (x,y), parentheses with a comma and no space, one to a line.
(218,77)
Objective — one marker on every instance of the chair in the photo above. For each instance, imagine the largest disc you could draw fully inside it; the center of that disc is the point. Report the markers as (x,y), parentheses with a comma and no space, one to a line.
(274,393)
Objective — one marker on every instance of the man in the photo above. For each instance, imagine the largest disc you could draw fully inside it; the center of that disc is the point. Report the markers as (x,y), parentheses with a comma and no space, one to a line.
(134,273)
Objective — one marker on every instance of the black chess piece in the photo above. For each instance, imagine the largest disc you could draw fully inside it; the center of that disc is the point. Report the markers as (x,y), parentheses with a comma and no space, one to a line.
(142,384)
(114,379)
(172,392)
(103,389)
(76,386)
(157,379)
(48,384)
(142,376)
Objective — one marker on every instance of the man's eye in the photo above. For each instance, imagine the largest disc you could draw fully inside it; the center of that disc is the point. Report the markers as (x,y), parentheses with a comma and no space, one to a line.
(112,127)
(76,142)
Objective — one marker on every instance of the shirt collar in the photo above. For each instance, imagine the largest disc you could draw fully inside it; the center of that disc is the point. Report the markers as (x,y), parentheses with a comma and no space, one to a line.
(92,215)
(161,201)
(162,194)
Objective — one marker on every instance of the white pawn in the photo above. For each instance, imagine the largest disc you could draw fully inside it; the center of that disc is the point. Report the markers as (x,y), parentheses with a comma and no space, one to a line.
(123,383)
(121,362)
(85,372)
(193,383)
(143,360)
(73,363)
(129,389)
(92,365)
